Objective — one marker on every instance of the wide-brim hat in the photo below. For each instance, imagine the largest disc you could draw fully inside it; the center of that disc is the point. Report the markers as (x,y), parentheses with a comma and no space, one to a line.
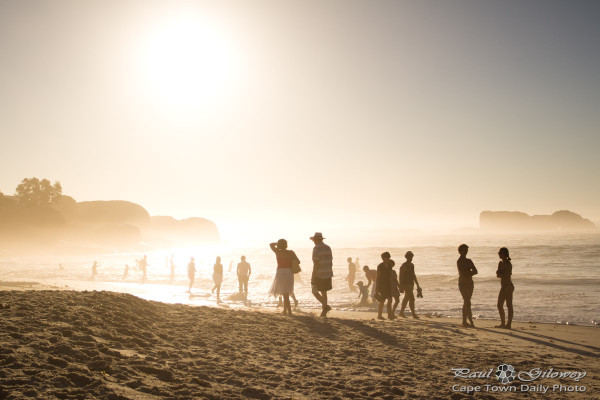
(318,235)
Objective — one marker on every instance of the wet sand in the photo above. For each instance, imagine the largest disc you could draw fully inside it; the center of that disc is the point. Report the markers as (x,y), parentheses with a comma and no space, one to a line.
(73,345)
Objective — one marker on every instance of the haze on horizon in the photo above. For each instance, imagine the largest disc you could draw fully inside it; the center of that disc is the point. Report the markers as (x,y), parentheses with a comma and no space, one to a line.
(306,116)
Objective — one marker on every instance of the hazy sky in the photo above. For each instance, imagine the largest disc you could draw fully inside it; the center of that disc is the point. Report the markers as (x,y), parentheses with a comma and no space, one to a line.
(307,115)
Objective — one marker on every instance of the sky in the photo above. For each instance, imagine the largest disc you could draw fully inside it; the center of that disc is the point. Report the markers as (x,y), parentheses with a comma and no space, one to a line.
(277,118)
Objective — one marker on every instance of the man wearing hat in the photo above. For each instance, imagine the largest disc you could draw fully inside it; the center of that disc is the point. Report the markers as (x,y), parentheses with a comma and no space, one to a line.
(322,271)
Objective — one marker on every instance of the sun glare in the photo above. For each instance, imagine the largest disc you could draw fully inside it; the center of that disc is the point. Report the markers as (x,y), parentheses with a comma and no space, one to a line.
(188,63)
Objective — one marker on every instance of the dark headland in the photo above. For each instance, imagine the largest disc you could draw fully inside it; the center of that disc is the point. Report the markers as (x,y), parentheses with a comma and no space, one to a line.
(514,221)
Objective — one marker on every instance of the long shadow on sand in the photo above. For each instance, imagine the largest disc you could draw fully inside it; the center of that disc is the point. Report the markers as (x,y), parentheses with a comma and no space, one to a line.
(320,326)
(593,348)
(517,334)
(374,333)
(446,326)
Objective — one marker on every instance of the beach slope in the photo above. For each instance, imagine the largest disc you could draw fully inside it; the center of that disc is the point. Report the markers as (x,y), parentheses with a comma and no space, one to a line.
(67,345)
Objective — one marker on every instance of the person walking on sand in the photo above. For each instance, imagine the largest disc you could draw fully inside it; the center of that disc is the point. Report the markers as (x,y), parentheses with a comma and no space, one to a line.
(191,270)
(507,288)
(322,271)
(243,273)
(351,274)
(407,285)
(218,278)
(466,270)
(371,275)
(172,263)
(384,287)
(283,284)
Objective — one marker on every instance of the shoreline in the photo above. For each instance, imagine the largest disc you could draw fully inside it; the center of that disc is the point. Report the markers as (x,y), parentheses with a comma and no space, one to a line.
(363,314)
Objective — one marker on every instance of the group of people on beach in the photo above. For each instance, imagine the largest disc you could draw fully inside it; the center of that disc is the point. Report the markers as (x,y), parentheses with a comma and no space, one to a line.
(244,270)
(386,285)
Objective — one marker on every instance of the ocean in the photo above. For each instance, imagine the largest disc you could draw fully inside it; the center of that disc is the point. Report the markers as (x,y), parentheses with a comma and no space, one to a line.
(556,277)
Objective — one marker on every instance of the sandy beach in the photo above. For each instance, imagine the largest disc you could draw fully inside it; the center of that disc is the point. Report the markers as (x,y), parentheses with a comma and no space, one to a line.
(73,345)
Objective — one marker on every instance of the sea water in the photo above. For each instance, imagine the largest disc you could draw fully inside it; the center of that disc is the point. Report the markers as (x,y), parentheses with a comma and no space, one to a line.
(556,277)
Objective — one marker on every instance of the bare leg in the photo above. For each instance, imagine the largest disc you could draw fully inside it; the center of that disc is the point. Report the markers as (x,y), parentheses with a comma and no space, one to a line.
(287,308)
(389,309)
(295,301)
(403,306)
(395,306)
(219,293)
(500,305)
(318,296)
(411,304)
(509,306)
(380,310)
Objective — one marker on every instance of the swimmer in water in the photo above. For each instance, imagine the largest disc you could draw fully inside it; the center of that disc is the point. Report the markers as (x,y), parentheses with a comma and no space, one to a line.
(507,288)
(466,270)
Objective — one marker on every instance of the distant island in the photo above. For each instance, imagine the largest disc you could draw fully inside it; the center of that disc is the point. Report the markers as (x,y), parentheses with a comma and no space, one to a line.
(514,221)
(50,220)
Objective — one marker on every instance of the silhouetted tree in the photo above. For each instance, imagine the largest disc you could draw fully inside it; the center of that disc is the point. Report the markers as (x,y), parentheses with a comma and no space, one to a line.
(32,191)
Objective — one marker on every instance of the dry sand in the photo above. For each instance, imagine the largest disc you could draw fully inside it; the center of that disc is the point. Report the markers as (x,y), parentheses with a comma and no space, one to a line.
(66,344)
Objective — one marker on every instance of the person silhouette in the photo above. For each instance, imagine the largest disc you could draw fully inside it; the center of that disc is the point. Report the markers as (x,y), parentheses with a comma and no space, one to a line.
(384,286)
(407,281)
(218,278)
(363,294)
(243,273)
(172,264)
(507,288)
(283,284)
(395,292)
(94,269)
(322,271)
(351,274)
(191,273)
(371,275)
(466,270)
(143,267)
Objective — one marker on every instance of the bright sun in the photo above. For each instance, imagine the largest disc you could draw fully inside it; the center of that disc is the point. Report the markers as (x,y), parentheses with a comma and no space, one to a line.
(188,63)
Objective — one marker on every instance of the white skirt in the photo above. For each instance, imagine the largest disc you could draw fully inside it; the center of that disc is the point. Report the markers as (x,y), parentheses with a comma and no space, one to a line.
(283,282)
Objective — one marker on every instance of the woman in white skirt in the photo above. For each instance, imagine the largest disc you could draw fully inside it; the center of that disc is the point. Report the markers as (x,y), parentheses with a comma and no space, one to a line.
(283,284)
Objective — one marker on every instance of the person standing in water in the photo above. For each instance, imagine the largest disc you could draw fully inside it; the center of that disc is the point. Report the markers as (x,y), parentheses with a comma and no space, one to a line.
(125,272)
(466,270)
(218,278)
(407,285)
(507,288)
(384,287)
(191,273)
(322,271)
(143,267)
(351,274)
(243,273)
(283,284)
(172,263)
(94,269)
(371,276)
(363,294)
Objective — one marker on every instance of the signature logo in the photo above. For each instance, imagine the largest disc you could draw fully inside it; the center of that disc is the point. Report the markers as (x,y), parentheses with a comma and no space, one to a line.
(505,373)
